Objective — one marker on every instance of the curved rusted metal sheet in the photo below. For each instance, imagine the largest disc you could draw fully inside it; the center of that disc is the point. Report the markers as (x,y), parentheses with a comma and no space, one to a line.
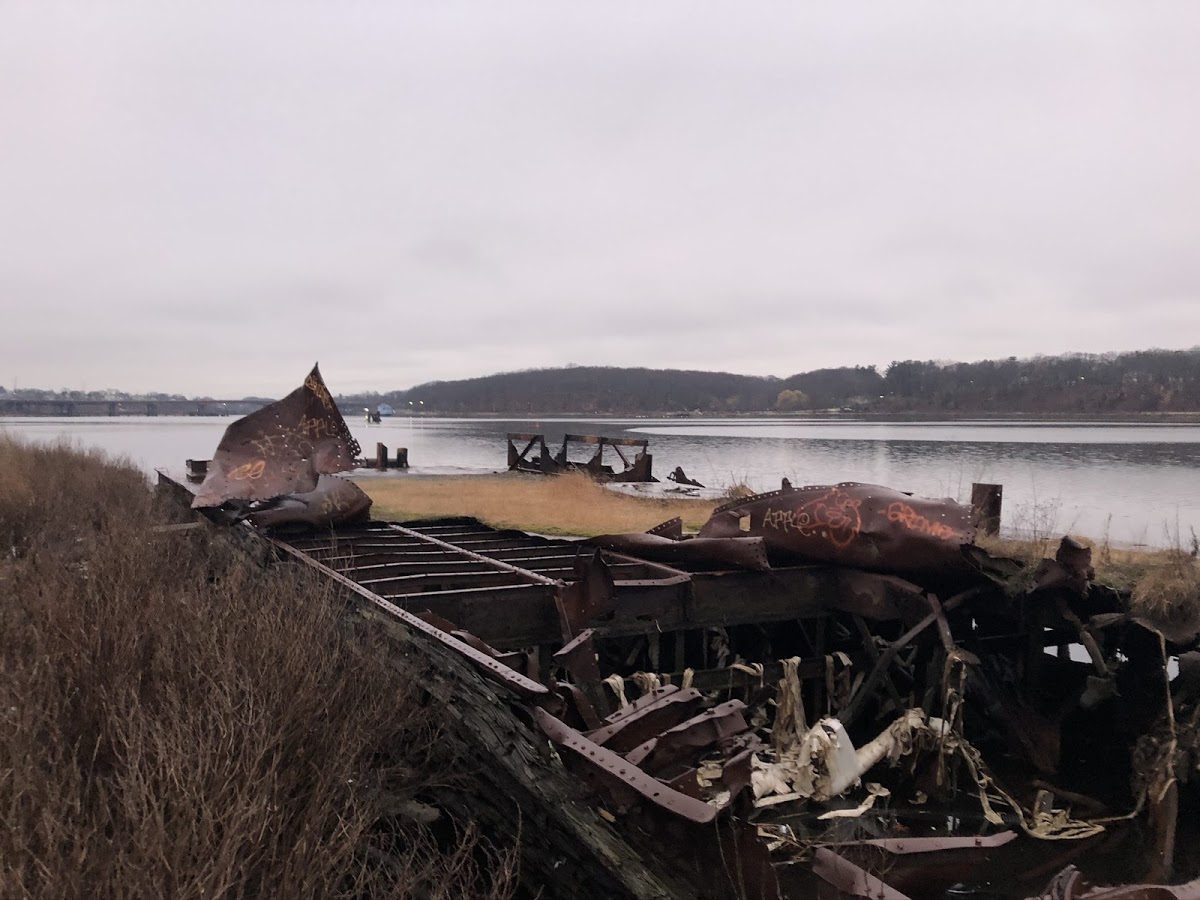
(281,449)
(334,501)
(743,552)
(866,526)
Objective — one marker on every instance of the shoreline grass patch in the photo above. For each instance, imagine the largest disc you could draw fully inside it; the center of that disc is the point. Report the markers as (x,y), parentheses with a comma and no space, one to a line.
(569,504)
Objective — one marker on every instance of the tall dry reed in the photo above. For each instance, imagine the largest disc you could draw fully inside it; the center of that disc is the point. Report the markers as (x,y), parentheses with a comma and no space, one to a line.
(175,722)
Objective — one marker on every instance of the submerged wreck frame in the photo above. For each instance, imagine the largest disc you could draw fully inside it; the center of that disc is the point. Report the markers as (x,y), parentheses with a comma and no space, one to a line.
(637,469)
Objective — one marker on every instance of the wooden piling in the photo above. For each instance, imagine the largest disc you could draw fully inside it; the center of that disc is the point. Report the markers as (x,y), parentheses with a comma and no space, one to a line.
(401,457)
(985,507)
(381,456)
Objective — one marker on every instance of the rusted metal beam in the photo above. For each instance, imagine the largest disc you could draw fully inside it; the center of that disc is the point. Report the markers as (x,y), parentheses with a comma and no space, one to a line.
(578,656)
(523,574)
(720,722)
(611,442)
(858,700)
(911,845)
(664,712)
(851,880)
(614,767)
(986,501)
(495,670)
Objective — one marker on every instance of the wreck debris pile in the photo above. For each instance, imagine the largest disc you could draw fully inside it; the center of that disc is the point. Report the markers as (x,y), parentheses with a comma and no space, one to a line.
(800,713)
(830,691)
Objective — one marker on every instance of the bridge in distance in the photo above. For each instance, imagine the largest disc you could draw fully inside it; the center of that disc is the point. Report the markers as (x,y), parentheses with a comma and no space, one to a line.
(25,407)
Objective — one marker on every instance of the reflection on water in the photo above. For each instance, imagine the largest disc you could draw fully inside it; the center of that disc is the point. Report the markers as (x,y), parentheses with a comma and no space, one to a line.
(1135,483)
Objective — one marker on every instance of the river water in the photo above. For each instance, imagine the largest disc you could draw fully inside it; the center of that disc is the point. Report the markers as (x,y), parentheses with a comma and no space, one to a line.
(1134,484)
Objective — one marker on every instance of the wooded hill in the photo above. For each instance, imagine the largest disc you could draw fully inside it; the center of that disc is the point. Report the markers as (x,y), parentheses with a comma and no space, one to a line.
(1142,381)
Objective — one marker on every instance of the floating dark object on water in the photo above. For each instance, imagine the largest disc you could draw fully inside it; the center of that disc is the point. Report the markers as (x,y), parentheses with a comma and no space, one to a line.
(680,477)
(281,449)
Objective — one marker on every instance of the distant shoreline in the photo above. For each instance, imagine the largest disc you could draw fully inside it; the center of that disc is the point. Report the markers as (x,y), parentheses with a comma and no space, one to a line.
(1113,418)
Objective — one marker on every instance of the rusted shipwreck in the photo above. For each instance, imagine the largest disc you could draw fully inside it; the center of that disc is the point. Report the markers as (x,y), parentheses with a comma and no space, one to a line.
(829,692)
(535,457)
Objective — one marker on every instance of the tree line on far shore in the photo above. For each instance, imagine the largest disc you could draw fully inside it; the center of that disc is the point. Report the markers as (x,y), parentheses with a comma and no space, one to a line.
(1136,382)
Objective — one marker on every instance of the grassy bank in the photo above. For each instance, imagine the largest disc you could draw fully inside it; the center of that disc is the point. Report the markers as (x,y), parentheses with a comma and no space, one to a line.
(175,721)
(570,504)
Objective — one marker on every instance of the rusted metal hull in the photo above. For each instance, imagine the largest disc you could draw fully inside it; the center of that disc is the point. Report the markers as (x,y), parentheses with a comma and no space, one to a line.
(280,449)
(863,526)
(810,730)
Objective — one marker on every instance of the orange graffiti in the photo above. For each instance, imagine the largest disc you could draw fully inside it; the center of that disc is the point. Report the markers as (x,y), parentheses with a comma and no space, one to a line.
(905,515)
(314,385)
(316,428)
(249,471)
(834,516)
(265,444)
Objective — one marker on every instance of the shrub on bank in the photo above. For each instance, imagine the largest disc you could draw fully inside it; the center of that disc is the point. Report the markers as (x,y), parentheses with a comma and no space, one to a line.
(175,721)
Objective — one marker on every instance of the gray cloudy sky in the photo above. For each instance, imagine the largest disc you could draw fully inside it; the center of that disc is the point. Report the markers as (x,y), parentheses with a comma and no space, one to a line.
(206,197)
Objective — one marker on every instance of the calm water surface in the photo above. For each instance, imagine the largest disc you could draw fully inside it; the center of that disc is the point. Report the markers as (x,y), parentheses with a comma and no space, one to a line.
(1138,484)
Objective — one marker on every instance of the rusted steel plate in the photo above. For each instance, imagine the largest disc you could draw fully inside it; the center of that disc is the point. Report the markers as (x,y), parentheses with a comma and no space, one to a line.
(642,702)
(737,771)
(578,656)
(499,565)
(742,552)
(667,711)
(335,500)
(581,703)
(906,846)
(280,449)
(612,766)
(851,880)
(713,725)
(861,525)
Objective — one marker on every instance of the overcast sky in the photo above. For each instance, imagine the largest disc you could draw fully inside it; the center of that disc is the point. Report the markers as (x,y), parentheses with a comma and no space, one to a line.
(206,197)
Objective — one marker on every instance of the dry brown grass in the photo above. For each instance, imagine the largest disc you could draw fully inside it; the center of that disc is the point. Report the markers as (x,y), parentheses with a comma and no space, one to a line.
(1162,584)
(175,722)
(564,504)
(1169,593)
